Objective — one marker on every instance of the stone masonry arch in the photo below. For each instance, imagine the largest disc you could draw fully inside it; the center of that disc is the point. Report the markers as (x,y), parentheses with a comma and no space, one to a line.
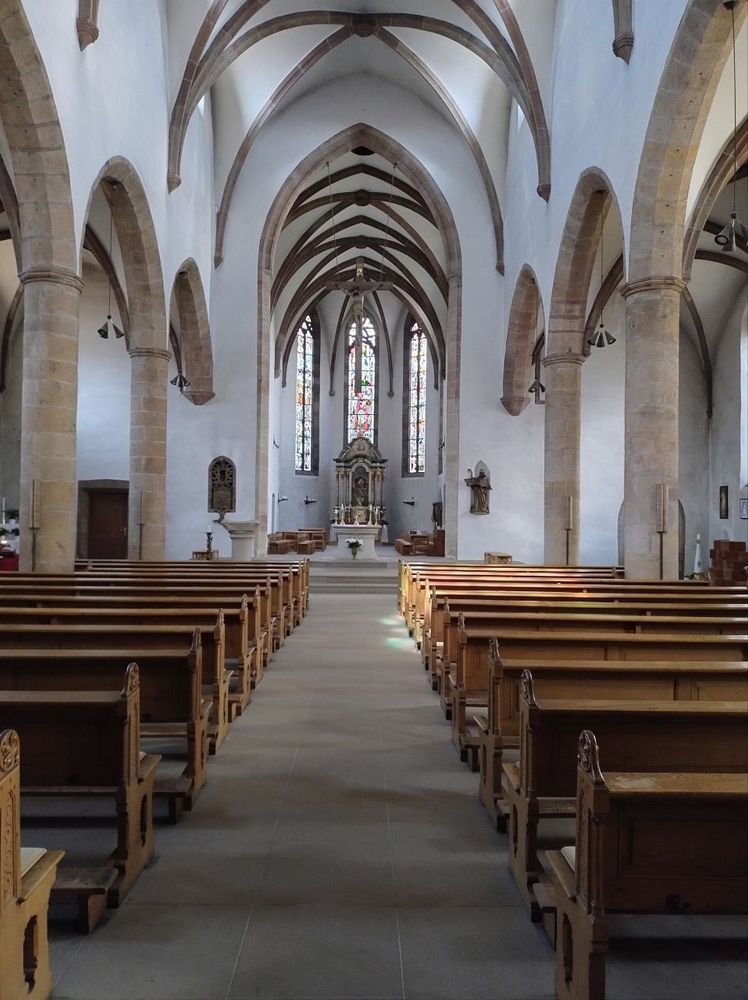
(689,80)
(47,264)
(141,262)
(565,353)
(526,308)
(188,297)
(419,177)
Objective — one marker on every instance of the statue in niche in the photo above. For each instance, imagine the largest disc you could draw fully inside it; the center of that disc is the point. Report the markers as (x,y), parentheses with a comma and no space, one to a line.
(360,492)
(480,487)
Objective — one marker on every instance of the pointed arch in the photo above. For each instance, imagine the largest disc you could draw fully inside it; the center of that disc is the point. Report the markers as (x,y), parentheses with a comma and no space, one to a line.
(141,261)
(525,314)
(196,350)
(593,198)
(414,172)
(694,66)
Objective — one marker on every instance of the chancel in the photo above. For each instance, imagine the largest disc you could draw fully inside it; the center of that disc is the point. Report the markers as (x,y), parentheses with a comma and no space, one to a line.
(374,499)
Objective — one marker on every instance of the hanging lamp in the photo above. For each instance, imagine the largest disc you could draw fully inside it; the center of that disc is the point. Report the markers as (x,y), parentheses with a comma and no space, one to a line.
(601,337)
(109,326)
(735,229)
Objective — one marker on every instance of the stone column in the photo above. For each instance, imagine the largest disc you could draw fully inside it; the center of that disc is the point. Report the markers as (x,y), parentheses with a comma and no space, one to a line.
(146,531)
(651,441)
(452,478)
(51,302)
(563,421)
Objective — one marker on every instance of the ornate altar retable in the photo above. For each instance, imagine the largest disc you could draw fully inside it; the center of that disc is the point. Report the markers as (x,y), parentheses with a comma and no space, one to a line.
(360,471)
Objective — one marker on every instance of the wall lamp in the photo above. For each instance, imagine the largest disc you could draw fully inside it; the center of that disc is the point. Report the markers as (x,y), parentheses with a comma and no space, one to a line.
(281,499)
(308,500)
(411,502)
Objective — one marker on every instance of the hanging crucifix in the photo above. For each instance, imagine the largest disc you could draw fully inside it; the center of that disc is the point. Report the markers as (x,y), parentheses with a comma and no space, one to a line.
(356,289)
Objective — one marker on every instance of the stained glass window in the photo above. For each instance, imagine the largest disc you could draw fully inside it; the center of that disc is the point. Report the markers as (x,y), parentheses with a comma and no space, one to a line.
(361,363)
(305,430)
(417,360)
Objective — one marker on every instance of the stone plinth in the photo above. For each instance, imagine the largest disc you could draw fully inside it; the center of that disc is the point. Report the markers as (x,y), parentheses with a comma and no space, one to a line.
(243,536)
(367,533)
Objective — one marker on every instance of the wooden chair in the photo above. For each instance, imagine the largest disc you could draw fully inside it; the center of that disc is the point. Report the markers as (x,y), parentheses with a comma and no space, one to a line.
(25,885)
(646,843)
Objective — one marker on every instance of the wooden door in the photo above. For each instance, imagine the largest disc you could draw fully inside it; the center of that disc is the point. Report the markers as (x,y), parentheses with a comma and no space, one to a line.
(107,524)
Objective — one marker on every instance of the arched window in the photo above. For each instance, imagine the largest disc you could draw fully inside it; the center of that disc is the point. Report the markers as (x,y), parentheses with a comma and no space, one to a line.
(361,379)
(415,384)
(307,395)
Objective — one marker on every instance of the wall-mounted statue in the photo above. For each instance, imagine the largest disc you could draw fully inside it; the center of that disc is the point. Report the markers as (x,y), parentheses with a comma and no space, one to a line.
(480,488)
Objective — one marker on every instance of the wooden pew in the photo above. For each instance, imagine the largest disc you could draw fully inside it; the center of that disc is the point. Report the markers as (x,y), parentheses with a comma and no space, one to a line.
(87,744)
(260,617)
(442,603)
(631,680)
(273,609)
(171,702)
(242,621)
(470,685)
(239,652)
(562,619)
(656,736)
(27,877)
(132,638)
(646,843)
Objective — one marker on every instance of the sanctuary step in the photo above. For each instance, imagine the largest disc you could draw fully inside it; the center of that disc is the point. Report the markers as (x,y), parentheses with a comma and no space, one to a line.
(362,576)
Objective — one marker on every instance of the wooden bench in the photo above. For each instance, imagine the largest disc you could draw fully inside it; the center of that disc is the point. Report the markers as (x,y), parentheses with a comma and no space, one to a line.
(584,680)
(87,744)
(171,701)
(633,602)
(132,638)
(27,878)
(646,843)
(469,686)
(562,619)
(279,546)
(639,735)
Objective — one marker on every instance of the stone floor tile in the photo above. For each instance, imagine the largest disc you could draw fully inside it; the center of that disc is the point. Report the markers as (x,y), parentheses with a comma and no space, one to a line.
(319,952)
(166,952)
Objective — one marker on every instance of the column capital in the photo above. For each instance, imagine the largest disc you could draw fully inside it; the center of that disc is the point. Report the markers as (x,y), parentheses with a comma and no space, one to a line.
(149,352)
(563,359)
(654,283)
(54,276)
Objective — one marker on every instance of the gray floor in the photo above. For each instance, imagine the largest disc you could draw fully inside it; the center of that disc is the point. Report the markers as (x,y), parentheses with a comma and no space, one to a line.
(339,851)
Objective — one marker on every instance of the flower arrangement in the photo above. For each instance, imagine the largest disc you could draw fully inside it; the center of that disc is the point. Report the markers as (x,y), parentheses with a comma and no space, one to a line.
(354,544)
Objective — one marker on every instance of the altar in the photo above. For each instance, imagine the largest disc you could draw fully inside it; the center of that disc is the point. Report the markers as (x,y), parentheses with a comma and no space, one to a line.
(360,471)
(367,534)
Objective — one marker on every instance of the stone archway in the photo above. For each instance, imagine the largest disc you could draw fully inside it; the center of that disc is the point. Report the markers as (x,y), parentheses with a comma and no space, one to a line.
(47,263)
(141,262)
(414,172)
(521,334)
(655,276)
(188,299)
(565,352)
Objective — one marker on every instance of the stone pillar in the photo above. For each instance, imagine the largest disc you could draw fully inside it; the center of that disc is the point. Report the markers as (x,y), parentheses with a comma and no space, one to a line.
(51,302)
(146,531)
(563,422)
(651,441)
(452,478)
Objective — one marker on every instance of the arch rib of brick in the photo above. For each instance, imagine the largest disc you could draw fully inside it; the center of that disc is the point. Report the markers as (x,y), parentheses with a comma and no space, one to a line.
(522,331)
(195,347)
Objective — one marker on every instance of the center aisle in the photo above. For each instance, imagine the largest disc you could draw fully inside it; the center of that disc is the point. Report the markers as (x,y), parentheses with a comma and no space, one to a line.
(338,851)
